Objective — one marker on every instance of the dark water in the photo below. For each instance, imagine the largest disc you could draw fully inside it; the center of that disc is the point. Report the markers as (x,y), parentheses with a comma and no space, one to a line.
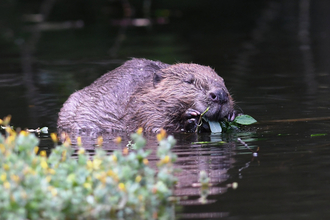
(274,57)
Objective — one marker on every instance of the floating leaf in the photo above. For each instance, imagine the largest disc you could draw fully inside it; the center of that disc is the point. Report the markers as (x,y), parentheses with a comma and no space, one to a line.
(245,120)
(317,135)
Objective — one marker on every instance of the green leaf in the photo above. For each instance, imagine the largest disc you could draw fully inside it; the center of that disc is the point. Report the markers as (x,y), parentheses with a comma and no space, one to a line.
(317,135)
(245,120)
(44,130)
(215,127)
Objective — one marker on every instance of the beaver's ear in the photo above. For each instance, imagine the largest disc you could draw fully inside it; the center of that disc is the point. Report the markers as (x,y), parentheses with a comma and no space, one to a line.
(189,78)
(158,76)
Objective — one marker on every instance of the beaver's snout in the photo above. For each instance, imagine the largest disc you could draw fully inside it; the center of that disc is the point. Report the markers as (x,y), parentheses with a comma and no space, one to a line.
(219,96)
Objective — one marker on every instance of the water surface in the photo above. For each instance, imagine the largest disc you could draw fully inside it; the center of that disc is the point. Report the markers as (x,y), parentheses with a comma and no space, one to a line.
(273,56)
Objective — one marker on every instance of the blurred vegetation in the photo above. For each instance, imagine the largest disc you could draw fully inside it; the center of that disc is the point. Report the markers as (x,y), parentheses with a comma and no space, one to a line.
(117,186)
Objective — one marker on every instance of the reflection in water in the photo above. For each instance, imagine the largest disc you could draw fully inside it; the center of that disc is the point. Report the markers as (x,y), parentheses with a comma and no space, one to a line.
(278,62)
(214,160)
(305,47)
(28,50)
(243,61)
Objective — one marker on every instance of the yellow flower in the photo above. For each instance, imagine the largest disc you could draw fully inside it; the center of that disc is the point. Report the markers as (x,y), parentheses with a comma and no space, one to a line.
(15,178)
(54,137)
(51,171)
(114,158)
(67,142)
(138,178)
(48,178)
(24,133)
(139,130)
(64,155)
(43,153)
(117,140)
(113,175)
(6,185)
(3,177)
(1,121)
(44,164)
(161,135)
(6,120)
(52,190)
(125,151)
(7,153)
(36,149)
(79,141)
(96,163)
(110,173)
(34,161)
(99,141)
(28,170)
(6,167)
(81,151)
(102,177)
(10,139)
(89,165)
(166,159)
(145,161)
(121,187)
(2,148)
(87,185)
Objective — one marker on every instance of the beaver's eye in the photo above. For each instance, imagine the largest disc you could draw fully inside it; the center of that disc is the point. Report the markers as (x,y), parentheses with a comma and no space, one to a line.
(206,87)
(189,78)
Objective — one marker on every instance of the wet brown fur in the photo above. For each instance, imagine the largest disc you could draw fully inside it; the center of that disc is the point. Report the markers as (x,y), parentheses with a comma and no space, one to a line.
(144,93)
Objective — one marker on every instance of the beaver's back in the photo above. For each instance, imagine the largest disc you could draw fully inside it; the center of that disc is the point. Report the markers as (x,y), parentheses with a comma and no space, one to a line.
(101,106)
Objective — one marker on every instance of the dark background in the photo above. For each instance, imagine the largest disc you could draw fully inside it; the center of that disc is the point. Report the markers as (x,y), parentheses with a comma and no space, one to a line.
(274,57)
(252,44)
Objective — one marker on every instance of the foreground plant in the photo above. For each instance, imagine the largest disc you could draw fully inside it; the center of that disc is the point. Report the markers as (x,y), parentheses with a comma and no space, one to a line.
(121,185)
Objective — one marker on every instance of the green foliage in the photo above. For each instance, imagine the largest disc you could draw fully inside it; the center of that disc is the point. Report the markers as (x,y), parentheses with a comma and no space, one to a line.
(117,186)
(219,126)
(244,120)
(239,120)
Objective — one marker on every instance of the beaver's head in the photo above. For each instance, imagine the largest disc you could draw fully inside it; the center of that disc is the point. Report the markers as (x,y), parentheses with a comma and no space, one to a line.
(197,87)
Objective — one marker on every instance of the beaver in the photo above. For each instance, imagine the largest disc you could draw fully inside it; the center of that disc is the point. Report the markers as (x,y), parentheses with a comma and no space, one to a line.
(148,94)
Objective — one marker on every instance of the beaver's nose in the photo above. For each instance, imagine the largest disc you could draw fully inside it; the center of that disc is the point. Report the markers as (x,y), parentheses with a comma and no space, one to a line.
(219,95)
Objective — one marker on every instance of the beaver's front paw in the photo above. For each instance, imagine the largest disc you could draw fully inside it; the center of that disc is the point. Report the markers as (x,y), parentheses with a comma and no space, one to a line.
(191,113)
(193,122)
(191,118)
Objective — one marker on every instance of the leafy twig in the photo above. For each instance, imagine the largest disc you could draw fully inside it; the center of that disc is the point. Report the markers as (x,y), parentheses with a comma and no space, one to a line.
(199,123)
